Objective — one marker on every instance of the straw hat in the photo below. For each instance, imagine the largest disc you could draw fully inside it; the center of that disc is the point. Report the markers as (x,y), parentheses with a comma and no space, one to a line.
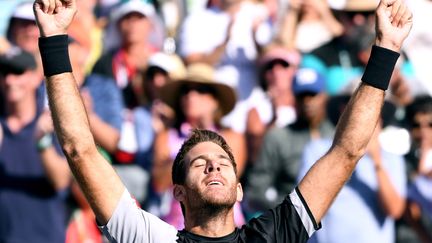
(199,74)
(170,63)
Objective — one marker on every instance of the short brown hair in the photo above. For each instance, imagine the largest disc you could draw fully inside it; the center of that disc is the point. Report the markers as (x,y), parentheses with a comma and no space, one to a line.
(197,136)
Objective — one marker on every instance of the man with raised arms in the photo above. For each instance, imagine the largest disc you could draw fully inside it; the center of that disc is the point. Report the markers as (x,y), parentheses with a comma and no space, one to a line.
(204,171)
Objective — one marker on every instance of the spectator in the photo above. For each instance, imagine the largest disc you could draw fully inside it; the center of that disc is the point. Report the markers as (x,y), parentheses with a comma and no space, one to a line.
(34,177)
(23,33)
(88,31)
(22,30)
(132,22)
(227,41)
(6,9)
(277,107)
(338,59)
(155,116)
(309,24)
(105,108)
(199,102)
(103,100)
(276,170)
(416,226)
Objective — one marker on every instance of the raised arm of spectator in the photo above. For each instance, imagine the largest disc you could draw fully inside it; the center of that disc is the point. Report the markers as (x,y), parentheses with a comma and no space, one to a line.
(389,191)
(332,24)
(289,22)
(325,179)
(55,165)
(96,177)
(105,134)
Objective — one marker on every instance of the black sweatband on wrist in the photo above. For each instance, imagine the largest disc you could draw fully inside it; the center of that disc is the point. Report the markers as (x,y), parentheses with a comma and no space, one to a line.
(380,67)
(55,54)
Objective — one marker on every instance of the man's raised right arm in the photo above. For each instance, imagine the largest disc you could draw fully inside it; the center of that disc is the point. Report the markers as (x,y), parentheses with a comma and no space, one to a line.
(98,180)
(326,178)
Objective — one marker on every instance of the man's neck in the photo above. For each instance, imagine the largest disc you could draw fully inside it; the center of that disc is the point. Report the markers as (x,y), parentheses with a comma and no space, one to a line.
(211,224)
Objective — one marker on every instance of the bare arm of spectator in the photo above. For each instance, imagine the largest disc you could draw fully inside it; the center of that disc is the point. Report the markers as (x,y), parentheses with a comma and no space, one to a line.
(391,201)
(255,130)
(325,179)
(4,45)
(425,150)
(97,178)
(292,18)
(332,24)
(288,26)
(104,134)
(263,174)
(56,168)
(162,162)
(400,90)
(55,165)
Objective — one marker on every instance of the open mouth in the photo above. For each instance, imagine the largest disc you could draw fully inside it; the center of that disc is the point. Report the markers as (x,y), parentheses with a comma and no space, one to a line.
(215,183)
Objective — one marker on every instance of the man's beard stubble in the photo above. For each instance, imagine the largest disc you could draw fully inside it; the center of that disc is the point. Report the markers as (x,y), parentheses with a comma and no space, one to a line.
(207,206)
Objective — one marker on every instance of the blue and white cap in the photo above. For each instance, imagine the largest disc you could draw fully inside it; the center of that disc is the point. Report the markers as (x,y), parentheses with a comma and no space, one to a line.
(308,80)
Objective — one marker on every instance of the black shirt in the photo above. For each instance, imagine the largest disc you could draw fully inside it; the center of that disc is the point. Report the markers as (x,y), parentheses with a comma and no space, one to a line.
(281,224)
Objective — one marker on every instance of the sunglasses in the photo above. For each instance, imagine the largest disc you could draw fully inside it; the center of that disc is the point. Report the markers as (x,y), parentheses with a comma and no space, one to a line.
(201,89)
(275,62)
(422,124)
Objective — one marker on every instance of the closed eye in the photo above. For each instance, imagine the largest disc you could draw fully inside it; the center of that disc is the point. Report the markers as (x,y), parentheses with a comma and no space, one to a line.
(199,163)
(225,163)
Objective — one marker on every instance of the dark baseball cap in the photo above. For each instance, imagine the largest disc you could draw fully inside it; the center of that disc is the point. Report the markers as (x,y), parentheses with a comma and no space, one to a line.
(16,61)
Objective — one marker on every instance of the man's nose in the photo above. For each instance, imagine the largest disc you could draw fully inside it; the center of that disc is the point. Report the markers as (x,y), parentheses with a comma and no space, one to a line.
(212,166)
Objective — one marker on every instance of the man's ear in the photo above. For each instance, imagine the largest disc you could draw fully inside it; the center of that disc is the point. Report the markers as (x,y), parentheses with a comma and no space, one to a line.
(179,192)
(239,192)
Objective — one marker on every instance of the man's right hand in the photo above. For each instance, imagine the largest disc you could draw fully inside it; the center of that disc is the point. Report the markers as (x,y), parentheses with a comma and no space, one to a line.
(54,16)
(393,23)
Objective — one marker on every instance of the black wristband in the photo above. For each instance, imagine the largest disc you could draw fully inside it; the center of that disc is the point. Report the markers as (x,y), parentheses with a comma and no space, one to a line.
(380,67)
(55,54)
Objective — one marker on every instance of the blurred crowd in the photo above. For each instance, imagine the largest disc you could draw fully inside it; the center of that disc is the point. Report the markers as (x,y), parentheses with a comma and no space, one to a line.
(271,76)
